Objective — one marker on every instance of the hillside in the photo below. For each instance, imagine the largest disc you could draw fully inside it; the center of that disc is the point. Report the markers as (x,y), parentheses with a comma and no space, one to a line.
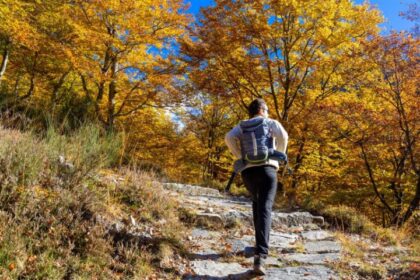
(69,216)
(63,219)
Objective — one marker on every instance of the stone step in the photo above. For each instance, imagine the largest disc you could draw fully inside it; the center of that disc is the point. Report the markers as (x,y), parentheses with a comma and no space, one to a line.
(296,239)
(231,208)
(316,235)
(192,190)
(311,258)
(322,247)
(296,219)
(211,270)
(199,234)
(278,219)
(317,272)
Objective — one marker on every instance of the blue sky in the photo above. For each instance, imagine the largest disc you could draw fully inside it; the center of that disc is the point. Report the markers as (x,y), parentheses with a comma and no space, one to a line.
(390,9)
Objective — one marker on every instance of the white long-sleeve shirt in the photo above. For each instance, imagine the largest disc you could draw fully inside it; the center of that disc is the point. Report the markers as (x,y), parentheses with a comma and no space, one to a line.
(280,141)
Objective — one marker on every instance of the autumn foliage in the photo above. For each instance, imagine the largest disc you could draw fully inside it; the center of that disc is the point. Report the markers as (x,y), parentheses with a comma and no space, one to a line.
(346,93)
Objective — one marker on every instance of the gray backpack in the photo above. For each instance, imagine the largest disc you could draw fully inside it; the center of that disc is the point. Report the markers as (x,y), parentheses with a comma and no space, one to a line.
(256,140)
(257,146)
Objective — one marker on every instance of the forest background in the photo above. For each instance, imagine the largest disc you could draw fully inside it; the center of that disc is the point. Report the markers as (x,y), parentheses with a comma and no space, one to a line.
(171,85)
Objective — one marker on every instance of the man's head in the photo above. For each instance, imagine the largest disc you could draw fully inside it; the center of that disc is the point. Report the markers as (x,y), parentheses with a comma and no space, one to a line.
(258,108)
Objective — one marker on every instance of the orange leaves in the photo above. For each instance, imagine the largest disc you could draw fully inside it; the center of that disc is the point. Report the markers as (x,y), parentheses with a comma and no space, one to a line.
(330,79)
(277,49)
(125,52)
(116,54)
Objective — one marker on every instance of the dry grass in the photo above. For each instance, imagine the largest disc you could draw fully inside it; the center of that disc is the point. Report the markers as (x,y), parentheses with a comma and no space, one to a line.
(56,213)
(349,220)
(374,252)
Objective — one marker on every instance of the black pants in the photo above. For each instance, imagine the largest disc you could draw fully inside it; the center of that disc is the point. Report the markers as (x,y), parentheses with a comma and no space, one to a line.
(261,182)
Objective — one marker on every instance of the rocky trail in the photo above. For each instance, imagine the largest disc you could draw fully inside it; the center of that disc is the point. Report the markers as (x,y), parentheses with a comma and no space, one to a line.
(222,241)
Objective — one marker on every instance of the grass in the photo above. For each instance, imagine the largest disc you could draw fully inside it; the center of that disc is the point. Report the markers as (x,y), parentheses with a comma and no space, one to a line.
(370,250)
(58,198)
(356,259)
(350,220)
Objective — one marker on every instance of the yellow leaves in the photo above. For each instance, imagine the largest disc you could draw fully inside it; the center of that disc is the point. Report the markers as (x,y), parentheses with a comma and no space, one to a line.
(14,22)
(324,33)
(44,193)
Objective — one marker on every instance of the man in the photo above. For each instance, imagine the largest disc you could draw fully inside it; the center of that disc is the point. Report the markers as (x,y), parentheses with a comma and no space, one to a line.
(260,178)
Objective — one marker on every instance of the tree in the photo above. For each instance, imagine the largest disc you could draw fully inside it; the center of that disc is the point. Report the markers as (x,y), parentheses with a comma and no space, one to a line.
(295,54)
(15,29)
(396,58)
(381,122)
(209,118)
(37,36)
(103,58)
(122,53)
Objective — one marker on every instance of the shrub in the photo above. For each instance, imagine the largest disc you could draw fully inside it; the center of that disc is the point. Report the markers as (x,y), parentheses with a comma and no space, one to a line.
(83,151)
(350,220)
(56,208)
(27,159)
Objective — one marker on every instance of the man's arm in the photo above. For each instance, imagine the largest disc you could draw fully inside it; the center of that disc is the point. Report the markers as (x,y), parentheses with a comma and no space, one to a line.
(281,136)
(232,141)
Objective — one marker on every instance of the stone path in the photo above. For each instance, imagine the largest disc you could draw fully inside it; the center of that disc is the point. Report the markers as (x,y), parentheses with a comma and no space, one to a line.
(223,247)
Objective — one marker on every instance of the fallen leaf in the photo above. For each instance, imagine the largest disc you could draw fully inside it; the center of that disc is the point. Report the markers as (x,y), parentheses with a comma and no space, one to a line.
(12,266)
(415,267)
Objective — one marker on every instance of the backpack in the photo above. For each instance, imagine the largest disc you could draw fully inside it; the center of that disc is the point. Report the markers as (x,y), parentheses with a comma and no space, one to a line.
(256,140)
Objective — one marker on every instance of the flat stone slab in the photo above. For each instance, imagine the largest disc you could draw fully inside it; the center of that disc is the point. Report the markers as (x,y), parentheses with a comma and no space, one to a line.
(208,268)
(192,190)
(282,240)
(232,215)
(277,240)
(239,245)
(316,235)
(311,258)
(303,272)
(296,219)
(219,203)
(199,233)
(322,247)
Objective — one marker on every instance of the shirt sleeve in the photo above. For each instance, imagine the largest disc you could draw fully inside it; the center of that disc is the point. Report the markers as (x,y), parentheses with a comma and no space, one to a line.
(232,141)
(280,135)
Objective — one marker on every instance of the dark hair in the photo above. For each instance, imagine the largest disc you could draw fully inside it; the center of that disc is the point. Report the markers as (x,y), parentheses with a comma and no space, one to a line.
(255,107)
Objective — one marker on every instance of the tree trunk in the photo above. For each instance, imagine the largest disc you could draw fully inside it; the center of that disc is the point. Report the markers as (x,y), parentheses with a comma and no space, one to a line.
(32,81)
(373,182)
(414,204)
(112,92)
(299,160)
(57,87)
(5,60)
